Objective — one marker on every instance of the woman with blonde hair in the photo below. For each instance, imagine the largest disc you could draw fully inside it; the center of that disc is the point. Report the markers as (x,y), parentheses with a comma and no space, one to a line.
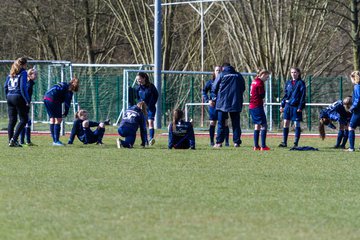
(18,100)
(354,109)
(31,77)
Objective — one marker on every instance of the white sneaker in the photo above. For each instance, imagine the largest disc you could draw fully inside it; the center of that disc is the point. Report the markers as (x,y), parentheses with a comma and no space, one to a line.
(350,150)
(118,143)
(58,144)
(152,141)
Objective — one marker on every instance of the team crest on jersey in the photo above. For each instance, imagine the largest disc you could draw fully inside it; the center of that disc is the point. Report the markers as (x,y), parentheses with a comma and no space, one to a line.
(13,83)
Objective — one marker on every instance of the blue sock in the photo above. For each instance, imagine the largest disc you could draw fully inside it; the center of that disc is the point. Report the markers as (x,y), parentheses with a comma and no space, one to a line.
(52,133)
(256,138)
(297,135)
(285,135)
(339,137)
(212,133)
(152,133)
(57,128)
(263,137)
(345,138)
(352,139)
(227,132)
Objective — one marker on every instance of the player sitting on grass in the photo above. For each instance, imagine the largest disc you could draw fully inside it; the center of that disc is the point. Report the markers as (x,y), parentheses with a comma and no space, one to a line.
(339,111)
(181,133)
(134,118)
(82,129)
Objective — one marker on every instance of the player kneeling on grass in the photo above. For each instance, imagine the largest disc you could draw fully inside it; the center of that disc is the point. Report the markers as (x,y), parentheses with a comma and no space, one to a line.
(82,129)
(134,118)
(339,111)
(181,133)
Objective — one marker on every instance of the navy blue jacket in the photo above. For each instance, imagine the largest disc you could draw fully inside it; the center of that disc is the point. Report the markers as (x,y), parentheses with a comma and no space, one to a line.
(336,112)
(229,87)
(17,85)
(132,120)
(78,130)
(294,94)
(60,93)
(206,90)
(183,137)
(29,86)
(147,94)
(355,107)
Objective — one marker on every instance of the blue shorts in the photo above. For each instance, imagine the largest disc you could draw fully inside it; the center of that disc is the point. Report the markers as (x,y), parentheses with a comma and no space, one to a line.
(53,109)
(212,114)
(290,113)
(258,116)
(355,120)
(151,113)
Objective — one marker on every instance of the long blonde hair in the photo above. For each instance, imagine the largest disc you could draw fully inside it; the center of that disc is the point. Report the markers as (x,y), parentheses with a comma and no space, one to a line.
(17,66)
(355,77)
(74,85)
(142,105)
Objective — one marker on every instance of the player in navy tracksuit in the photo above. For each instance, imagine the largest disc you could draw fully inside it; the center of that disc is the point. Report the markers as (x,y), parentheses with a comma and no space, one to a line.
(181,133)
(134,117)
(82,129)
(18,100)
(292,105)
(354,109)
(53,100)
(256,107)
(31,77)
(228,89)
(212,110)
(339,111)
(147,92)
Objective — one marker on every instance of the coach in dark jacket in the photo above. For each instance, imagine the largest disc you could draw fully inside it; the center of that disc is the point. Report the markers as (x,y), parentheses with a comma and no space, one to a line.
(228,89)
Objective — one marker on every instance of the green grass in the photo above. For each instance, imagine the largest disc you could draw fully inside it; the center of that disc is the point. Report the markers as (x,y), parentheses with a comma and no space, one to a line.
(93,192)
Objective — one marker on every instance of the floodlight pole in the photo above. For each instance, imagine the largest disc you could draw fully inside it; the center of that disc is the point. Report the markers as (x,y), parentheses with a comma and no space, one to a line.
(157,59)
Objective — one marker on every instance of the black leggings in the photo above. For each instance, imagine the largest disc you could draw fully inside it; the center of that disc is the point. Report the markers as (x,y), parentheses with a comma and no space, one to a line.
(16,106)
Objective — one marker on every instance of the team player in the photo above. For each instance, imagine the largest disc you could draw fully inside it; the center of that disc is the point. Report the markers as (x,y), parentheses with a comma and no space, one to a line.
(82,129)
(212,109)
(18,100)
(339,111)
(292,105)
(31,77)
(53,100)
(134,118)
(354,109)
(256,107)
(181,133)
(147,92)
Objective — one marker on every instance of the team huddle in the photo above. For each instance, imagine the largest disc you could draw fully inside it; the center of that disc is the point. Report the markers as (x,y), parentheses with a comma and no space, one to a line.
(223,93)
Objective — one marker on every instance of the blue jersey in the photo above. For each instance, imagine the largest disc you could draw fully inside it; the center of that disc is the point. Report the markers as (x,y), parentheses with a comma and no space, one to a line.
(78,130)
(60,93)
(183,137)
(355,107)
(29,86)
(133,119)
(206,90)
(17,85)
(294,94)
(148,94)
(336,112)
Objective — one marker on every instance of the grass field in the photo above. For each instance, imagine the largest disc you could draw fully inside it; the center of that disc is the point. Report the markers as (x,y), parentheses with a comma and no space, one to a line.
(101,192)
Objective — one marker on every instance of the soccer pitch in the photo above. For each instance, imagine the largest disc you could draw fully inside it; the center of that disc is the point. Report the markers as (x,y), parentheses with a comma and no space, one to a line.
(101,192)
